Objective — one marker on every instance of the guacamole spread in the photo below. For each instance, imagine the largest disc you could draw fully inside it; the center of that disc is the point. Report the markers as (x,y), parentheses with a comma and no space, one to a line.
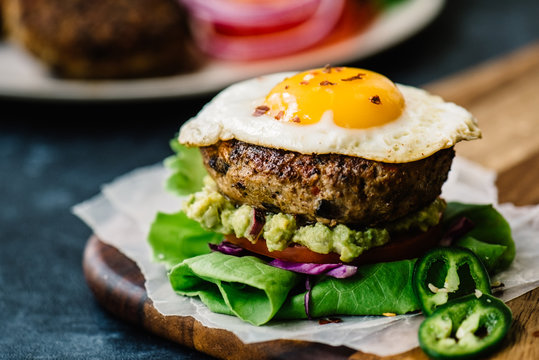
(216,213)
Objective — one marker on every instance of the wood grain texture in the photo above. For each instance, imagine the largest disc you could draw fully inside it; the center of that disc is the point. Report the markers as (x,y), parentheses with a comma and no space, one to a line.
(503,95)
(520,183)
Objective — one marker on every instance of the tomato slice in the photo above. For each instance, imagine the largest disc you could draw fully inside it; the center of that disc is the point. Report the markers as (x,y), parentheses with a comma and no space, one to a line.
(401,246)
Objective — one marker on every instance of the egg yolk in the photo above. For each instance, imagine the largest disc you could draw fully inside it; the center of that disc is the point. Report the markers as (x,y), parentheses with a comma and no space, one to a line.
(358,98)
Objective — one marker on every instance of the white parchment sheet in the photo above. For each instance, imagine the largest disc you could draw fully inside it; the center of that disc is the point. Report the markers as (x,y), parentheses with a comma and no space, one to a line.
(122,213)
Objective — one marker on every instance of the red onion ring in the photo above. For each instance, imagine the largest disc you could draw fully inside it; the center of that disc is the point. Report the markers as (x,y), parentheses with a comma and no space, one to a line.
(250,18)
(269,45)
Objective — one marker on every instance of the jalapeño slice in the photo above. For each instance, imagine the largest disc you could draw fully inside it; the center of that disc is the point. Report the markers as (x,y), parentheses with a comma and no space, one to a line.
(447,273)
(466,328)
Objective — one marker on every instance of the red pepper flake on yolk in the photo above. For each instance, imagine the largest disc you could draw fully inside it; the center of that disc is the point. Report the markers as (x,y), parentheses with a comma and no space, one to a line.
(359,76)
(279,115)
(296,119)
(261,110)
(310,93)
(375,100)
(325,83)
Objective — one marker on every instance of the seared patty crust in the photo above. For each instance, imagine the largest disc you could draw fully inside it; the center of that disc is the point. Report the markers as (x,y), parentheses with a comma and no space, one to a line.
(329,188)
(106,38)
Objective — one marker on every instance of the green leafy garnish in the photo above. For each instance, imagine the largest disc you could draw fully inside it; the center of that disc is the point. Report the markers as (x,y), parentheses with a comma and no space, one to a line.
(187,169)
(255,292)
(487,253)
(490,227)
(175,237)
(374,290)
(243,286)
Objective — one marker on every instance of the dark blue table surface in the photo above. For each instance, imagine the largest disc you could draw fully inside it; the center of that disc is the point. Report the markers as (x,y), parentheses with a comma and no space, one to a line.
(55,155)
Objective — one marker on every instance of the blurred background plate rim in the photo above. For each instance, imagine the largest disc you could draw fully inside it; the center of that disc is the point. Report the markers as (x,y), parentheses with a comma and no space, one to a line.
(24,77)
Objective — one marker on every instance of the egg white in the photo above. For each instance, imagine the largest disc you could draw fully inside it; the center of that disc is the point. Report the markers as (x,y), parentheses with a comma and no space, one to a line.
(427,125)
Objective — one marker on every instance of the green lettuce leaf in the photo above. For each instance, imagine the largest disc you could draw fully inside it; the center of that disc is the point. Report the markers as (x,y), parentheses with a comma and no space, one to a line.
(489,254)
(255,292)
(174,238)
(374,290)
(490,227)
(187,169)
(246,287)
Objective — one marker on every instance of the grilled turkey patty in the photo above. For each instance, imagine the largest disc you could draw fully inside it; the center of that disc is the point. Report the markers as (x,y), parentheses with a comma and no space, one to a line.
(329,188)
(106,38)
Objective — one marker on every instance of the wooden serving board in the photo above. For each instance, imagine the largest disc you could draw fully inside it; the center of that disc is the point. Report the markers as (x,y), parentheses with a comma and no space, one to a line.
(503,95)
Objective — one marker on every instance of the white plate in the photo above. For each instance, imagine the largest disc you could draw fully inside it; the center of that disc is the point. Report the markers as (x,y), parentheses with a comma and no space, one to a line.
(22,76)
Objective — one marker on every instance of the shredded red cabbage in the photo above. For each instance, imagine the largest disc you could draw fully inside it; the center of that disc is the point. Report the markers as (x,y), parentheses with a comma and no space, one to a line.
(460,227)
(339,271)
(307,298)
(228,248)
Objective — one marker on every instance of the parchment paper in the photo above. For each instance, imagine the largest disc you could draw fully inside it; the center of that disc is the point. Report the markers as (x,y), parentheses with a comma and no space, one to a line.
(122,213)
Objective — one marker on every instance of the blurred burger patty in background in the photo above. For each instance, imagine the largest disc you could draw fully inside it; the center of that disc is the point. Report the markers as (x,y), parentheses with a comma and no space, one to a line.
(104,39)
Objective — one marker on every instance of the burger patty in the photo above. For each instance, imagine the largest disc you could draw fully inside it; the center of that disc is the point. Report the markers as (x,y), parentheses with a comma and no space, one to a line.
(328,188)
(106,38)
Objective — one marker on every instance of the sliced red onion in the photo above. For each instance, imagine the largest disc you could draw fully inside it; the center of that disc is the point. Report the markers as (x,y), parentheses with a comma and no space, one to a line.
(273,44)
(250,18)
(460,227)
(228,248)
(339,271)
(259,219)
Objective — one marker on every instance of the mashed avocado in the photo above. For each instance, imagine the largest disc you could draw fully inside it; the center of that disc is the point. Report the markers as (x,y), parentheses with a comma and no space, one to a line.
(215,212)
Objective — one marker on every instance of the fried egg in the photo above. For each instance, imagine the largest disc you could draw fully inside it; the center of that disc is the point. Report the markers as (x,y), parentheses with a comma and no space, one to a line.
(339,110)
